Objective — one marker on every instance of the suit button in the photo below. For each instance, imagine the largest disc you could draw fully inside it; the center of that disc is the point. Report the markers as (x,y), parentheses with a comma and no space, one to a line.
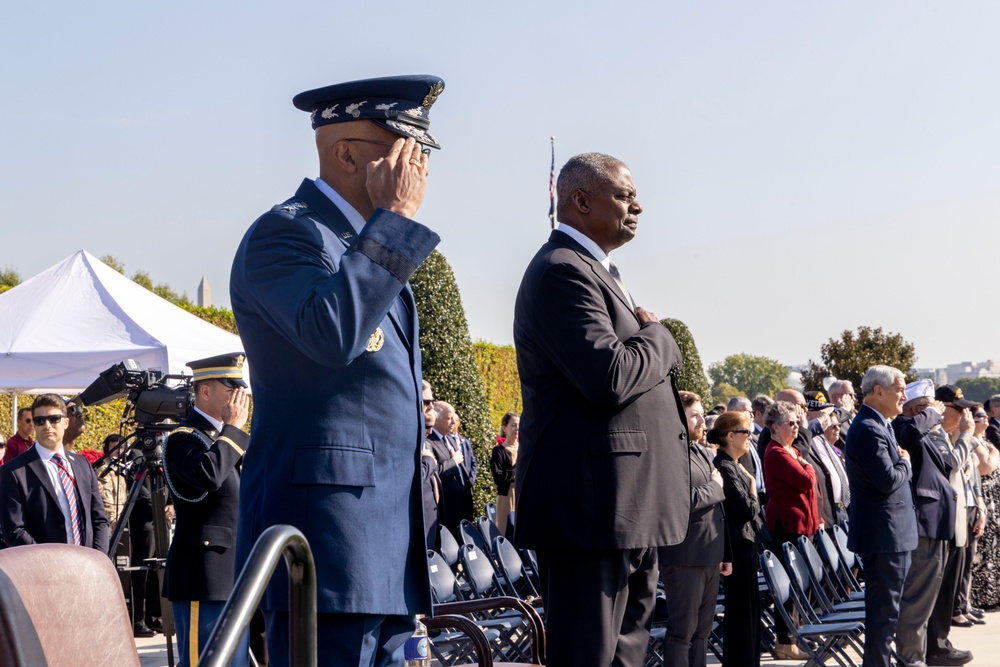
(681,436)
(206,543)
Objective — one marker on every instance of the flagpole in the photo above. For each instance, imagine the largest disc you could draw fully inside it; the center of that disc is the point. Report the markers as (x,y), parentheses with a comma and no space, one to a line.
(552,185)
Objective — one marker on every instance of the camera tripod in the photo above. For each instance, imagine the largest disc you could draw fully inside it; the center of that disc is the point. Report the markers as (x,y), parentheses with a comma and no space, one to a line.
(147,466)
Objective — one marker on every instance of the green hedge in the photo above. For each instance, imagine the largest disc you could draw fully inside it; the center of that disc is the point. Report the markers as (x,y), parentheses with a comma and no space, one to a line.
(497,367)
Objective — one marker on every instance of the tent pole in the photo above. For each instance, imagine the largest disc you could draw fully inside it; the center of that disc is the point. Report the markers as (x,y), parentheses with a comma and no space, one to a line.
(13,410)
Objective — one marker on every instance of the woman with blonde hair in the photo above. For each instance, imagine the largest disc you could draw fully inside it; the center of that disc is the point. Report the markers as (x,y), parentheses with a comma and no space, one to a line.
(502,463)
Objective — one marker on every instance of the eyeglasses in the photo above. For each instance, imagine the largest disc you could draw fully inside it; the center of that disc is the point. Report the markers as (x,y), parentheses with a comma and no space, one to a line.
(789,423)
(428,402)
(74,410)
(423,149)
(52,419)
(744,431)
(835,425)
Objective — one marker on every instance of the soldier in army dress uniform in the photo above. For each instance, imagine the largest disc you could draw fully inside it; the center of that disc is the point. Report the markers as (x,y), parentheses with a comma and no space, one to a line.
(201,465)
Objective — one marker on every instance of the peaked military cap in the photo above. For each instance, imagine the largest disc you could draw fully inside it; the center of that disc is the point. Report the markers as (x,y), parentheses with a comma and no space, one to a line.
(226,368)
(400,104)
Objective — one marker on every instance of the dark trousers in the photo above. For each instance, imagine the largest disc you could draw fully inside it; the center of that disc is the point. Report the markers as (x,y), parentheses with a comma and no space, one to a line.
(145,586)
(741,624)
(344,640)
(598,605)
(920,593)
(691,593)
(939,624)
(884,577)
(963,597)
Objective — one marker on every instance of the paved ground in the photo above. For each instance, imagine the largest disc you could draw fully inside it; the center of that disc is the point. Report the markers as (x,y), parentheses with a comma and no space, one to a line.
(982,640)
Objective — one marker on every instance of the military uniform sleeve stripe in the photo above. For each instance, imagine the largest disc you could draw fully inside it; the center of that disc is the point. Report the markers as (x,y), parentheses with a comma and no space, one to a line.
(232,444)
(393,262)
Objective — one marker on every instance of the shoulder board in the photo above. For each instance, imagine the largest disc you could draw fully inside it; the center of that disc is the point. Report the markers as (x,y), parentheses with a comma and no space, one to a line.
(293,207)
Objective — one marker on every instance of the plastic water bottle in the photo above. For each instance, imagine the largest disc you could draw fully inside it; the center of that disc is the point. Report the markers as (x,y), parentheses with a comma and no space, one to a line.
(417,650)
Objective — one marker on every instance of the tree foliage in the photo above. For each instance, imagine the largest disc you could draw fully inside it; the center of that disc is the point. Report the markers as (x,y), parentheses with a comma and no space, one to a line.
(114,263)
(449,362)
(497,367)
(691,377)
(750,375)
(8,278)
(848,357)
(979,389)
(722,392)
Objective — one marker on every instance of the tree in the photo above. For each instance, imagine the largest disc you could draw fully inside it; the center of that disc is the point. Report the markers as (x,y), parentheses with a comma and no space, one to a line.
(979,389)
(691,376)
(9,278)
(849,357)
(498,369)
(449,363)
(114,263)
(722,392)
(751,375)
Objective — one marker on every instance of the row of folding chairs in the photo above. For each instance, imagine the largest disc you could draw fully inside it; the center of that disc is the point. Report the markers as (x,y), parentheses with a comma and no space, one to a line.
(479,564)
(827,598)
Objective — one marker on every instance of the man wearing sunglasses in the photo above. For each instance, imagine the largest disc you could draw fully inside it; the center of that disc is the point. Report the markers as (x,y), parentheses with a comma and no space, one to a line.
(320,292)
(49,494)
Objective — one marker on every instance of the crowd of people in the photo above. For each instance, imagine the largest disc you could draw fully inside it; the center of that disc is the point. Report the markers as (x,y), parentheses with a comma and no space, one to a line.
(618,480)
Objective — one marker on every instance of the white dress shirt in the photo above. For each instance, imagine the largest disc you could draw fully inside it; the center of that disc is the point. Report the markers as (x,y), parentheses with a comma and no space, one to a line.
(50,467)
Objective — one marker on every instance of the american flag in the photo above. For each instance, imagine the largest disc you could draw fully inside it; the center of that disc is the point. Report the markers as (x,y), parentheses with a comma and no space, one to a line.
(552,185)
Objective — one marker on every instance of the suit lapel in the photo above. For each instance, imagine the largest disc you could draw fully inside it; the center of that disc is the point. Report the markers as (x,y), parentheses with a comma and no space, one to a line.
(595,266)
(37,466)
(334,219)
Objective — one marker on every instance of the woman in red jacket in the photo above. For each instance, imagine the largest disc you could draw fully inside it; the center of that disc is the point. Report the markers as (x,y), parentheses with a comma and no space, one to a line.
(791,499)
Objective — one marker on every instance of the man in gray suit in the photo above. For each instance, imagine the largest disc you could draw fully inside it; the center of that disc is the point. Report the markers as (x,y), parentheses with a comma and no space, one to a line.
(603,475)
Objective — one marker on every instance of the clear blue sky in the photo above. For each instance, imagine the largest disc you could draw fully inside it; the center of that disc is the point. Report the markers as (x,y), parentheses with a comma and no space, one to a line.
(804,167)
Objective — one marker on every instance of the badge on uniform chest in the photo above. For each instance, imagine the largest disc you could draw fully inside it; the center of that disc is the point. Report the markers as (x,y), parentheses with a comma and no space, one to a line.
(376,340)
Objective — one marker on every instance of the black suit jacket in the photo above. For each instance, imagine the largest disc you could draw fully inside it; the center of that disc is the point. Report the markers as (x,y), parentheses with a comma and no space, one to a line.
(881,511)
(29,511)
(455,503)
(993,431)
(603,455)
(202,559)
(706,542)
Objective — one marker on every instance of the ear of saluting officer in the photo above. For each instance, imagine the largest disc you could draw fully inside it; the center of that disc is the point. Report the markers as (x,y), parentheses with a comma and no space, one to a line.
(400,104)
(226,368)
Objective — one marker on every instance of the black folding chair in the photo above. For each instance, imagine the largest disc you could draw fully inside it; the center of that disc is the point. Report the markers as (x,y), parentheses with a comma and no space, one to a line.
(823,581)
(490,510)
(820,640)
(814,603)
(468,533)
(840,561)
(512,568)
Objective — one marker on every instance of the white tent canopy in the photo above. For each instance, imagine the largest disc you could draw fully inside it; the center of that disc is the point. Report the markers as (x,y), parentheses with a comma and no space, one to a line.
(62,328)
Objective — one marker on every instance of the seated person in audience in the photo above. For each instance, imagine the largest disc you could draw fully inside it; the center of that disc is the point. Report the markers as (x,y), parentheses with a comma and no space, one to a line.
(50,495)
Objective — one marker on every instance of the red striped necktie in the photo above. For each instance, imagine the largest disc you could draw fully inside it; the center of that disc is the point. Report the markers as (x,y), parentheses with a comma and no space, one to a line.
(69,489)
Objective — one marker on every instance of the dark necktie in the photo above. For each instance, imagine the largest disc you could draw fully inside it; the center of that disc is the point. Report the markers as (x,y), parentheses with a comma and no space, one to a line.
(456,446)
(617,277)
(69,490)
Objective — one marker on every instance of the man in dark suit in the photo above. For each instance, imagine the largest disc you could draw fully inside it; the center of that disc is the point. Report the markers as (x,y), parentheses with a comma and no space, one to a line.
(603,474)
(933,457)
(50,495)
(883,526)
(456,467)
(320,292)
(200,463)
(992,406)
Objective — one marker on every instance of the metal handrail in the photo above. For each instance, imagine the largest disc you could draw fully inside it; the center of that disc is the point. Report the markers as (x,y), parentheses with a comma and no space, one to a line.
(276,541)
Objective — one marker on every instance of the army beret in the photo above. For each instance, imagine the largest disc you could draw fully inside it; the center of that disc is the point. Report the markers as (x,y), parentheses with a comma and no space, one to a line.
(400,104)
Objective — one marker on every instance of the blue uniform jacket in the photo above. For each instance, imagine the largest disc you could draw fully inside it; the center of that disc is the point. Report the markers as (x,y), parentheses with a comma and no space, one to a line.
(882,519)
(329,326)
(930,456)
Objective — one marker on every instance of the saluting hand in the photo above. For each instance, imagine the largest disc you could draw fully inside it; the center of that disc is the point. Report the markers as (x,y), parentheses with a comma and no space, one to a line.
(235,412)
(398,181)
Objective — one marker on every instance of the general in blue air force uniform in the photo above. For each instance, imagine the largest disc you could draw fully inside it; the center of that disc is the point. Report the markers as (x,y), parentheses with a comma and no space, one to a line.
(319,290)
(201,465)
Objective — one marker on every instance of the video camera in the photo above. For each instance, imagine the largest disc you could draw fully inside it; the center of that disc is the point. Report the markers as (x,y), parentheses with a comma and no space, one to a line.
(150,398)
